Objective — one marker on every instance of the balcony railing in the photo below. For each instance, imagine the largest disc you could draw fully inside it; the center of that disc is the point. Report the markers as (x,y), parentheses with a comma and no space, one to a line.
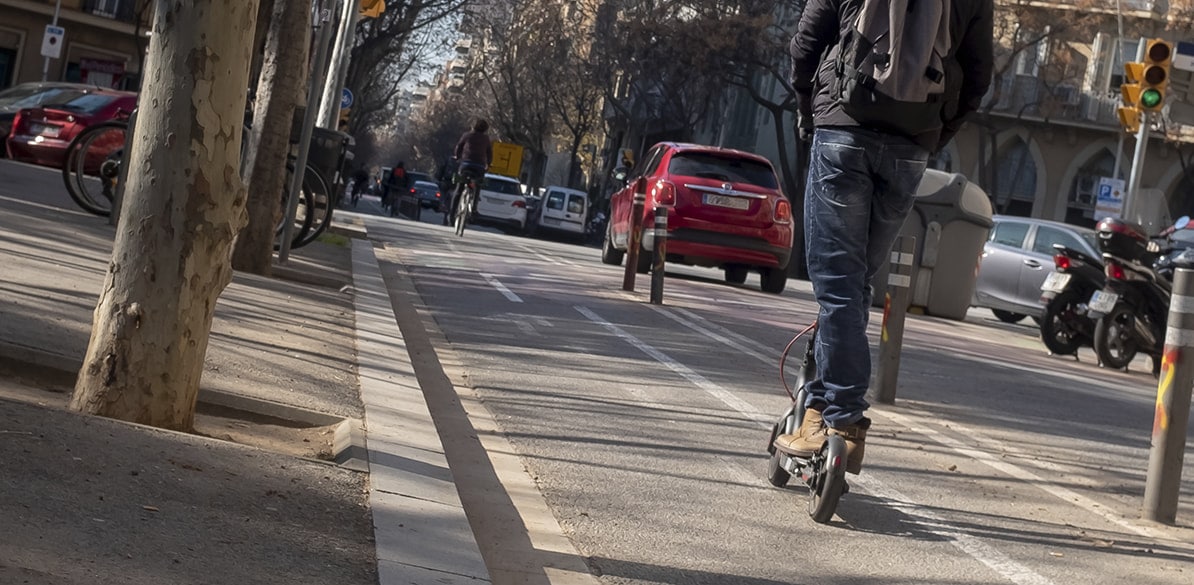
(123,10)
(1025,95)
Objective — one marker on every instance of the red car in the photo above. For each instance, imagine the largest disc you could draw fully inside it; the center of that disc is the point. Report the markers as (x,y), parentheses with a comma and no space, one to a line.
(726,211)
(41,135)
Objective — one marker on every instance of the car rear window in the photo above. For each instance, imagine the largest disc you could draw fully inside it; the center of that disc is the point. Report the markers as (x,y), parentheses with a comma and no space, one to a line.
(29,97)
(502,186)
(722,168)
(87,104)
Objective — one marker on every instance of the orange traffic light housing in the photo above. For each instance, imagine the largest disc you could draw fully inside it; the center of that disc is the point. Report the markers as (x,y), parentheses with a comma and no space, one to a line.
(1158,57)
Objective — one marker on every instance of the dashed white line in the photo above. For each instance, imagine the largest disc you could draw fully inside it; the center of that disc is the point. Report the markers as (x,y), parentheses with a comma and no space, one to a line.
(495,283)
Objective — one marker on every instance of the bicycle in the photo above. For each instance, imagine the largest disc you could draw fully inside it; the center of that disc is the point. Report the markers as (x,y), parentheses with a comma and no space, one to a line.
(468,198)
(91,172)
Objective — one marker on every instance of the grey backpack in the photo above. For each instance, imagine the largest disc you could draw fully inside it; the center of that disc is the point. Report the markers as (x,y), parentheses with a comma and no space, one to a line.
(890,65)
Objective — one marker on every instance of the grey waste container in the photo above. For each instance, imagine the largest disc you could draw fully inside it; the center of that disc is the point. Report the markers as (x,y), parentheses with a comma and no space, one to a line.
(950,219)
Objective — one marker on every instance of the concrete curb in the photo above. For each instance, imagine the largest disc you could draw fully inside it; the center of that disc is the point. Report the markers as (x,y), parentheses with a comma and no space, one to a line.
(422,532)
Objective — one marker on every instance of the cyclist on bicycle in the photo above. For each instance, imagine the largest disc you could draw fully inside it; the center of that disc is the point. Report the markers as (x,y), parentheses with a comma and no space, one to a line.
(474,151)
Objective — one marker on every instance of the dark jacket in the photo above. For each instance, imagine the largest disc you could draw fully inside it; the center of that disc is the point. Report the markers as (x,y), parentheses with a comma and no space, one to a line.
(969,65)
(474,147)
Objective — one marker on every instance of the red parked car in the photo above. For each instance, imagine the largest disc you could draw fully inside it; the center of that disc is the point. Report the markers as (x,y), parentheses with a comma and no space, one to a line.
(41,135)
(726,211)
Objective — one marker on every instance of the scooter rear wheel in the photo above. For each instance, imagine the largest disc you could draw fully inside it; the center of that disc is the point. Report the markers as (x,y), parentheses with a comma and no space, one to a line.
(829,482)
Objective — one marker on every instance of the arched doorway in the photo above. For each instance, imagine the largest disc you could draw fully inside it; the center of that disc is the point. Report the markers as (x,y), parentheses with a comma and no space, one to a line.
(1015,184)
(1083,192)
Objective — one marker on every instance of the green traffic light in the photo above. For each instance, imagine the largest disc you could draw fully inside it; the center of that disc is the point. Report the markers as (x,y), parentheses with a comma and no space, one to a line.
(1150,98)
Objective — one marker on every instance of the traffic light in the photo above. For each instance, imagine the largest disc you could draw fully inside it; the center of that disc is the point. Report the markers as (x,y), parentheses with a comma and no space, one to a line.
(1130,113)
(1158,56)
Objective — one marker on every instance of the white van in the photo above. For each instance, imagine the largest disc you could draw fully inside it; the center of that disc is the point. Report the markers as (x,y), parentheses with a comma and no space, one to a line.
(564,210)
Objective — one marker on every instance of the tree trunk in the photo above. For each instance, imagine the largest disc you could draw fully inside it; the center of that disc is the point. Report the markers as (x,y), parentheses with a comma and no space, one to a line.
(184,203)
(283,78)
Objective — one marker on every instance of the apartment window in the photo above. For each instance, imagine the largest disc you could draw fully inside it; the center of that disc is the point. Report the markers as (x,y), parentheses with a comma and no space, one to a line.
(114,9)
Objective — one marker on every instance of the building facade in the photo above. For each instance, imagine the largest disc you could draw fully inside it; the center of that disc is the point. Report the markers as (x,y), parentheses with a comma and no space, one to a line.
(104,42)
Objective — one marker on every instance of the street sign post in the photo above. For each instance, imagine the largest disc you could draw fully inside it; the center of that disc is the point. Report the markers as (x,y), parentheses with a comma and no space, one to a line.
(1110,200)
(507,159)
(51,43)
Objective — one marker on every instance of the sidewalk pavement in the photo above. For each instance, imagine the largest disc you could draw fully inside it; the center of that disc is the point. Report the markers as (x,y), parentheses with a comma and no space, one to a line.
(255,495)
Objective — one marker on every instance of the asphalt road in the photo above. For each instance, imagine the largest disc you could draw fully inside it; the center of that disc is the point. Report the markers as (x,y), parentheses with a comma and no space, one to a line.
(645,429)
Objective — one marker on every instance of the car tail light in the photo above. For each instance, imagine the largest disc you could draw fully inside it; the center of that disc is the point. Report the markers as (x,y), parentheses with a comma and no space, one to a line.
(1116,272)
(437,194)
(1062,261)
(783,211)
(664,193)
(413,191)
(18,122)
(519,203)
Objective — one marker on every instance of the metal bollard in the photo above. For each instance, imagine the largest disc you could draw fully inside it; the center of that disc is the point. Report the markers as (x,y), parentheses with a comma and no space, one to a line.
(1173,404)
(635,240)
(659,256)
(895,306)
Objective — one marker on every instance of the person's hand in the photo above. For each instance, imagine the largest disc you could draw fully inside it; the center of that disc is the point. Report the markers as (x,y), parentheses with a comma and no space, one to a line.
(805,134)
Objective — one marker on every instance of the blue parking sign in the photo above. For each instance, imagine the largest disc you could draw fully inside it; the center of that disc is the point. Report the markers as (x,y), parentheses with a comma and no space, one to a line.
(345,99)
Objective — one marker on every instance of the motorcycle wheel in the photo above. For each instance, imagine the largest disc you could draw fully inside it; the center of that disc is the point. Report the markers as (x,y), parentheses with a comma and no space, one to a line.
(1114,341)
(1057,334)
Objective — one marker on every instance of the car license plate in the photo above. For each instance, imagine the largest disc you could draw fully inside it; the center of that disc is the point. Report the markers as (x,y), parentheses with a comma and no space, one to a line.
(1055,282)
(43,130)
(1103,302)
(551,221)
(726,201)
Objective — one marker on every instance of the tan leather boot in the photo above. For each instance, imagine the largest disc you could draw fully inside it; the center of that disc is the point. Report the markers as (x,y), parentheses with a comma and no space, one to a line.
(807,439)
(855,437)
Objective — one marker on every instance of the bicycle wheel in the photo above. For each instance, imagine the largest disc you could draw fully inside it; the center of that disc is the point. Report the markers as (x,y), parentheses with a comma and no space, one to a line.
(302,217)
(91,166)
(321,206)
(462,212)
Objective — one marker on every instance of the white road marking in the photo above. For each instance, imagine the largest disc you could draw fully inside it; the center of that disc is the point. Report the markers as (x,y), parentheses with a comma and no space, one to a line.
(713,335)
(525,327)
(540,321)
(548,259)
(1021,474)
(971,545)
(493,281)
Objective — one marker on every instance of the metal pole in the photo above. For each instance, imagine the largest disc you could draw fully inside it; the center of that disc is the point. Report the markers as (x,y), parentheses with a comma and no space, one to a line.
(635,240)
(1173,403)
(659,256)
(895,306)
(329,106)
(318,74)
(1137,168)
(1138,157)
(45,65)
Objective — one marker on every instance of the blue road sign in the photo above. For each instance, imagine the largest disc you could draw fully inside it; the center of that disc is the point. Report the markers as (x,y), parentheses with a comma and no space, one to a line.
(345,99)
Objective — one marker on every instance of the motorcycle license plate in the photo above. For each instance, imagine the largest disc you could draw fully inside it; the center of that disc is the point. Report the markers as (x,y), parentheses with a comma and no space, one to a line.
(1055,282)
(1102,302)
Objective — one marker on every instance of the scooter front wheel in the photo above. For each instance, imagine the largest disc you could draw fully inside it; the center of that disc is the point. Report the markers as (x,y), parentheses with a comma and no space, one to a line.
(829,481)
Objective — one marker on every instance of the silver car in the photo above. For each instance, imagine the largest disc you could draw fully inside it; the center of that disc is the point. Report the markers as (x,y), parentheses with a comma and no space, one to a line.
(1017,258)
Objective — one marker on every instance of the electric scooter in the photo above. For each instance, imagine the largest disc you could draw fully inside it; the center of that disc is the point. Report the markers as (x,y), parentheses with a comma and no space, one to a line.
(825,472)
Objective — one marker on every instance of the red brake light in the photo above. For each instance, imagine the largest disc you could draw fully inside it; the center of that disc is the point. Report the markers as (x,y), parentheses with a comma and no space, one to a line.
(783,211)
(519,203)
(437,194)
(664,193)
(412,190)
(1062,261)
(1115,271)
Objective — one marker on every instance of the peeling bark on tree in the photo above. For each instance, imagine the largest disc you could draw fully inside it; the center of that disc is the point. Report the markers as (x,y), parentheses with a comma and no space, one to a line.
(184,203)
(283,79)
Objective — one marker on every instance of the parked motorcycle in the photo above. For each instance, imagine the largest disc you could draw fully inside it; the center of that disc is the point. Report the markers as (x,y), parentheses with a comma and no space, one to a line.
(1066,324)
(1133,308)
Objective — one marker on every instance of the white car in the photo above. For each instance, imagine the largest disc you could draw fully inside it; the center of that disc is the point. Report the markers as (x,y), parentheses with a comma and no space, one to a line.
(502,202)
(563,210)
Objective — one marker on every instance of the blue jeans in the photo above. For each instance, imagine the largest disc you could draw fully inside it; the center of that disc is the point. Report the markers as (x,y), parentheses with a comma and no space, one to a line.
(860,189)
